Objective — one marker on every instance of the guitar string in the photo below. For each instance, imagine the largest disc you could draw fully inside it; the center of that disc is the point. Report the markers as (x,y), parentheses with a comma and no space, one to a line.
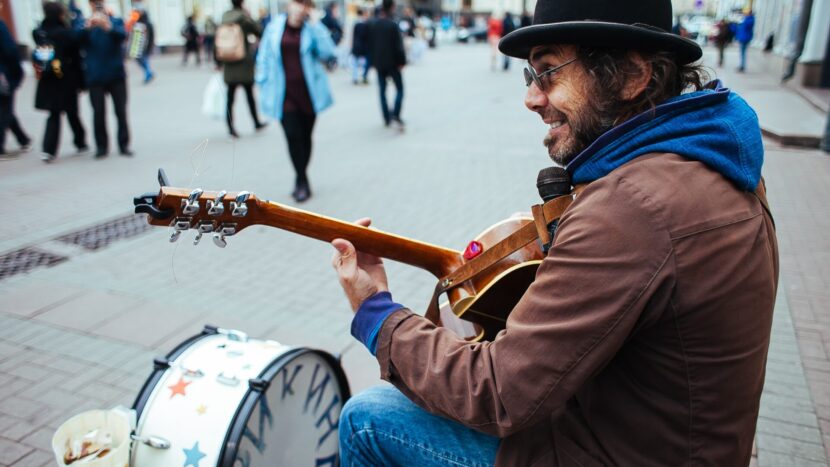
(196,164)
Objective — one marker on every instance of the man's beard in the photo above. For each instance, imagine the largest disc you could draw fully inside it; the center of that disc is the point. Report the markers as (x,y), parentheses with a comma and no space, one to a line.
(586,125)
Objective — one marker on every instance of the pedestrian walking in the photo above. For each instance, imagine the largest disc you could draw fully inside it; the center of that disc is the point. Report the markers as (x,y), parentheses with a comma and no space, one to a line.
(191,41)
(507,27)
(11,74)
(494,34)
(744,34)
(722,38)
(208,38)
(643,337)
(102,38)
(294,87)
(331,20)
(141,43)
(57,62)
(360,47)
(388,58)
(241,72)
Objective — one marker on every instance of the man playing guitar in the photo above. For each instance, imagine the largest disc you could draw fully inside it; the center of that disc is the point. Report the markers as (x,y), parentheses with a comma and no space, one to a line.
(643,339)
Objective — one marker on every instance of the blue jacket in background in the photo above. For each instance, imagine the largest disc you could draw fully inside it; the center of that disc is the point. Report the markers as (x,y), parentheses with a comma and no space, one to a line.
(104,59)
(745,29)
(9,57)
(316,46)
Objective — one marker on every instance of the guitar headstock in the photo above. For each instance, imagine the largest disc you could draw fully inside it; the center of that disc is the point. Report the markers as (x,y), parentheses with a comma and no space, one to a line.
(221,213)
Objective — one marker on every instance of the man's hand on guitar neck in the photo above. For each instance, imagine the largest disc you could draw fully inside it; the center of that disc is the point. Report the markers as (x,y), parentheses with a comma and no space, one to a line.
(361,275)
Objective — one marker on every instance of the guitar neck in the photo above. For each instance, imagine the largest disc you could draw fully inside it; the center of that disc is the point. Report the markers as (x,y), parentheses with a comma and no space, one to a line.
(437,260)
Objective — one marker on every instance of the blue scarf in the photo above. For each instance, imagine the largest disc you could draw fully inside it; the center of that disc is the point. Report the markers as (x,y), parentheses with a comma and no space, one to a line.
(714,126)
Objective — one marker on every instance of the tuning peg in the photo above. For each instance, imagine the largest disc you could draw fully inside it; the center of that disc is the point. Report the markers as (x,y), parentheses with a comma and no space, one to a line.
(224,230)
(204,227)
(180,224)
(215,207)
(191,205)
(239,208)
(219,240)
(175,236)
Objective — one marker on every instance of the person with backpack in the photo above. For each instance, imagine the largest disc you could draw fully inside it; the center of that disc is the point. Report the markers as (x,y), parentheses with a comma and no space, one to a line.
(293,82)
(141,43)
(11,73)
(191,41)
(237,57)
(57,63)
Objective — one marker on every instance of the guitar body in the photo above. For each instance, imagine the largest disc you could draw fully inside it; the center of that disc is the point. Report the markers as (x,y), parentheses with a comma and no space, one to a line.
(487,299)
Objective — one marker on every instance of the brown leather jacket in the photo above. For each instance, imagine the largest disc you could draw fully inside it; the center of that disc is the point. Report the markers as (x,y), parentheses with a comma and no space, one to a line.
(643,340)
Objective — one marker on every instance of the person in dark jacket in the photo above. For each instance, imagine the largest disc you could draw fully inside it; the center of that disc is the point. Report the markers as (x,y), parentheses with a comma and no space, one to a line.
(241,73)
(332,22)
(388,58)
(191,41)
(360,47)
(507,27)
(57,61)
(11,73)
(102,41)
(641,335)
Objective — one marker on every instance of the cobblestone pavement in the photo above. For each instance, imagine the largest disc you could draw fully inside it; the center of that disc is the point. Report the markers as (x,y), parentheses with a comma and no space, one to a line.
(82,333)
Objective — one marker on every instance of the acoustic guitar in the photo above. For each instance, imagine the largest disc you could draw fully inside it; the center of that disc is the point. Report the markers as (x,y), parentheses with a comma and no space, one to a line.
(483,297)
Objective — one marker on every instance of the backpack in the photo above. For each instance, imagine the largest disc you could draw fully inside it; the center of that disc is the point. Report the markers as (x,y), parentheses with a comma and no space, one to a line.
(229,43)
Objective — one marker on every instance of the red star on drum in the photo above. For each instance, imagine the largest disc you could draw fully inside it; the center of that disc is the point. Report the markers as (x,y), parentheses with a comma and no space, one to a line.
(178,388)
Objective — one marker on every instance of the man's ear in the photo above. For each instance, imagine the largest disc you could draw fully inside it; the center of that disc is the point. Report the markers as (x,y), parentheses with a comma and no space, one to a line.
(639,78)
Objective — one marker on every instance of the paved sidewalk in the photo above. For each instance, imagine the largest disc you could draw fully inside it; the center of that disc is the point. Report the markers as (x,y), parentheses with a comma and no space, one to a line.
(82,334)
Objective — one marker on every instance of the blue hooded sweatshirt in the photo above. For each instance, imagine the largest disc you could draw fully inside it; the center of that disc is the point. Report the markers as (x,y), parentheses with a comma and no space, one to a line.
(714,126)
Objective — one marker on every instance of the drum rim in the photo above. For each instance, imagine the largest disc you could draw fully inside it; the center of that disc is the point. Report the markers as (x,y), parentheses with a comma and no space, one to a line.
(233,436)
(146,391)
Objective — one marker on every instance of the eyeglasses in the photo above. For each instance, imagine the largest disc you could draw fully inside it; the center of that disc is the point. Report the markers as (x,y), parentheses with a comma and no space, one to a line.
(532,77)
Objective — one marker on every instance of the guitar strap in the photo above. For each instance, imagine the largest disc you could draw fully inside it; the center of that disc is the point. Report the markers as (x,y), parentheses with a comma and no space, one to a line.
(544,215)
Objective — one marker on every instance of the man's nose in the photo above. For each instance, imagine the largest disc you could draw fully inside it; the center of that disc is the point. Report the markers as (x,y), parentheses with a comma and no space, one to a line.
(535,99)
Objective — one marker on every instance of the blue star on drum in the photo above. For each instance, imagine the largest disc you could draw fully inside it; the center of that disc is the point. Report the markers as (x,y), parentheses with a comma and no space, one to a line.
(193,455)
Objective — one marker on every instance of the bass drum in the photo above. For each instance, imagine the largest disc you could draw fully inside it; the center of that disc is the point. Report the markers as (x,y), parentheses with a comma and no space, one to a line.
(222,399)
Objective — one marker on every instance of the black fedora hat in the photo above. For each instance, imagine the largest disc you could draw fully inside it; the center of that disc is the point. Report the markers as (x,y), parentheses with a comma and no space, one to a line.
(630,24)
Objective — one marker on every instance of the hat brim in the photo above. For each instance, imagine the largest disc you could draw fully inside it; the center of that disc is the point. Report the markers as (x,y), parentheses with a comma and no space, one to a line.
(601,34)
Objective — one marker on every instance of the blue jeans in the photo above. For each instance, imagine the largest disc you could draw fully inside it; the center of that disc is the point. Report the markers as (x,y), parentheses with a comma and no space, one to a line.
(360,68)
(744,46)
(384,107)
(144,62)
(381,427)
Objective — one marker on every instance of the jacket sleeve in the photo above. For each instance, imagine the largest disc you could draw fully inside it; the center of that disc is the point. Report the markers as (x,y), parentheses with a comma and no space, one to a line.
(588,296)
(400,52)
(324,47)
(264,54)
(118,33)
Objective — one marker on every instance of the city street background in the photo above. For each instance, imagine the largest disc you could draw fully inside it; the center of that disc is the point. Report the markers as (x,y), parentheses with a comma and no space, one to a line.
(82,333)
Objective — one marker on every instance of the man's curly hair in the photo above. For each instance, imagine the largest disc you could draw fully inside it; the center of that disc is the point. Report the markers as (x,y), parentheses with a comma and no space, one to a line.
(611,68)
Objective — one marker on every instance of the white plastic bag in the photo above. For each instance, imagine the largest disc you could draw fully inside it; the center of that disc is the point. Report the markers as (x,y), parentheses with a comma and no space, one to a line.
(215,98)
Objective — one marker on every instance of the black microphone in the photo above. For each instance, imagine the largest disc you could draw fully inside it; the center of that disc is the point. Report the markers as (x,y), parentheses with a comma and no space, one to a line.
(553,182)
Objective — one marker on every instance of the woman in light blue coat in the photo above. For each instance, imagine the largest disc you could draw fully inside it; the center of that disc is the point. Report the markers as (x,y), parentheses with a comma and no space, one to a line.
(293,83)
